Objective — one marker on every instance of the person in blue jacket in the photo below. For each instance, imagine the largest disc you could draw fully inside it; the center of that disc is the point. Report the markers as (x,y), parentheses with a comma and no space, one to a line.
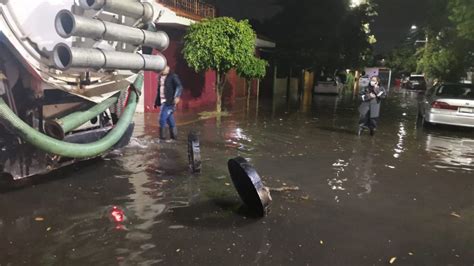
(169,93)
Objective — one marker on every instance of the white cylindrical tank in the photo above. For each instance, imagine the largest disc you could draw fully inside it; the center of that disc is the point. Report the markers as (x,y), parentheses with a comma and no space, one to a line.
(35,20)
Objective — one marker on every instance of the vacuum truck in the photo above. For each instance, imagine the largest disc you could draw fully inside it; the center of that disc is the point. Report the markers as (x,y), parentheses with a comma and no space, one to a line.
(71,74)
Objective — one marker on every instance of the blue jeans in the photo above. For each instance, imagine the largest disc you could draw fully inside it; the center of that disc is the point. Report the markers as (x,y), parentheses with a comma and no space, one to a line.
(167,116)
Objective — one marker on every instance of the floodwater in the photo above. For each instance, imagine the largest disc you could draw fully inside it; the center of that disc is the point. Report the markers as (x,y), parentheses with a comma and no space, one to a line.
(404,196)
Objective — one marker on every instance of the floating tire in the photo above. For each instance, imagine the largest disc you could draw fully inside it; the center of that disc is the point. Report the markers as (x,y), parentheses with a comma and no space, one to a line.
(249,185)
(194,152)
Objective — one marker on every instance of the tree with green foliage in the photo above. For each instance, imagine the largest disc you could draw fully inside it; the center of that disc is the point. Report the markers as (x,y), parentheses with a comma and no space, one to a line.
(403,59)
(445,57)
(462,15)
(250,69)
(449,51)
(219,44)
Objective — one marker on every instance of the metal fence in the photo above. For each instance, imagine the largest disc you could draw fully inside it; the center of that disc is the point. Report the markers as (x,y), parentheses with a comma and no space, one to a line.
(194,9)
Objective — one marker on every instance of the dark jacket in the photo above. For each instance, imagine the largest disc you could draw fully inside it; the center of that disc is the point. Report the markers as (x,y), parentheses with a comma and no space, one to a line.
(173,89)
(371,105)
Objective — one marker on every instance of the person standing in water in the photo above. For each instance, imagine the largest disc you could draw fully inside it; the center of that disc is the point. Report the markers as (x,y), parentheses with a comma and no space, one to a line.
(169,93)
(369,109)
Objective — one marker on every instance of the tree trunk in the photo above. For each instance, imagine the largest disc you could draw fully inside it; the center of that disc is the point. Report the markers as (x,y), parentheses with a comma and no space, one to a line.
(249,87)
(258,96)
(356,84)
(218,93)
(301,83)
(288,84)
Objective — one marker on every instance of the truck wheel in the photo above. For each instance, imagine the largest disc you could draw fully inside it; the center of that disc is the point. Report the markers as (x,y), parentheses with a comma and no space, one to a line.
(194,152)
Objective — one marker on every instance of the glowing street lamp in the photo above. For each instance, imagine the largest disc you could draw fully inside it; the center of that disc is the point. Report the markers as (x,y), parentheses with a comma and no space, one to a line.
(414,27)
(356,3)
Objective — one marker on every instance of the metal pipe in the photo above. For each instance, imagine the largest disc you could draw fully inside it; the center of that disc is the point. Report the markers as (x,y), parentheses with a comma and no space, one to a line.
(68,24)
(133,9)
(65,57)
(58,128)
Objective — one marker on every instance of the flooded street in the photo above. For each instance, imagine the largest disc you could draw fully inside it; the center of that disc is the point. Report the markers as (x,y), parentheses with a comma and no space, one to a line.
(406,193)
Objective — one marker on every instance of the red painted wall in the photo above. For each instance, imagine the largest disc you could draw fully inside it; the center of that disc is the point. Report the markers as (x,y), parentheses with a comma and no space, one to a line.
(198,88)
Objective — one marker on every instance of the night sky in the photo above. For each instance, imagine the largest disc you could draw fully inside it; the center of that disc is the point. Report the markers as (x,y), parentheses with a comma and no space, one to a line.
(395,19)
(390,28)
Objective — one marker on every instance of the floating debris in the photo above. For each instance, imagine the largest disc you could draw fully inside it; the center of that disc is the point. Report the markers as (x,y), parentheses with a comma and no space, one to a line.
(177,227)
(284,189)
(454,214)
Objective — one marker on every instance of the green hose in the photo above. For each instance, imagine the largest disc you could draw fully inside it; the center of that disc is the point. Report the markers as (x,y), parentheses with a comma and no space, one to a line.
(58,128)
(73,150)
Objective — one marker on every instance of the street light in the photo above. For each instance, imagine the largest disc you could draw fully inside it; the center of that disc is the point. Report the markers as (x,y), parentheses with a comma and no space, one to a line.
(356,3)
(414,27)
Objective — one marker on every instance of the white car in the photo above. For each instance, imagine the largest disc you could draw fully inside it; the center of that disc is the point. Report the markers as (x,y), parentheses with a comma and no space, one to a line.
(449,104)
(328,85)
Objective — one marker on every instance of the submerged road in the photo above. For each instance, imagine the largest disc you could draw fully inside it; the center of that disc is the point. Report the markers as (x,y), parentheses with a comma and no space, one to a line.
(404,196)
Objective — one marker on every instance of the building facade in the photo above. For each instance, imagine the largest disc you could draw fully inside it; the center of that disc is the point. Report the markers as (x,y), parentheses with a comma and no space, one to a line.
(199,88)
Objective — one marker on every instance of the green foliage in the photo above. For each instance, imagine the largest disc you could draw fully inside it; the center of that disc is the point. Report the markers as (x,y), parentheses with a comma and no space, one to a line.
(443,59)
(403,59)
(221,44)
(462,14)
(218,44)
(252,68)
(450,48)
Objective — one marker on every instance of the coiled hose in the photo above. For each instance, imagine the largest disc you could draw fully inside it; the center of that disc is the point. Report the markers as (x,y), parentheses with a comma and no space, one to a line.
(67,149)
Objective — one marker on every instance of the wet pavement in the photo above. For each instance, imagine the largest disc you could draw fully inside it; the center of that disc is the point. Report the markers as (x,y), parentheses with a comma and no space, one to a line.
(405,195)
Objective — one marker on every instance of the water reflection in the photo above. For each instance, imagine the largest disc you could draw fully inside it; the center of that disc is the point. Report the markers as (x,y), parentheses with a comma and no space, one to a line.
(337,183)
(450,153)
(365,170)
(402,133)
(237,138)
(150,176)
(174,218)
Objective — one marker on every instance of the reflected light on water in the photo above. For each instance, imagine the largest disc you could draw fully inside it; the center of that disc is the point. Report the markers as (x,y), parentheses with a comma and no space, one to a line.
(237,138)
(451,153)
(337,183)
(239,134)
(117,214)
(399,149)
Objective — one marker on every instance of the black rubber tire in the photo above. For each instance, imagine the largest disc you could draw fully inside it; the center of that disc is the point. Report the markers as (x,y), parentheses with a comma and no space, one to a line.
(194,153)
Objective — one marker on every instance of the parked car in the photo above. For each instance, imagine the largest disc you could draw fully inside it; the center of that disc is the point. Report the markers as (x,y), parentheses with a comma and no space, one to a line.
(328,85)
(416,82)
(450,104)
